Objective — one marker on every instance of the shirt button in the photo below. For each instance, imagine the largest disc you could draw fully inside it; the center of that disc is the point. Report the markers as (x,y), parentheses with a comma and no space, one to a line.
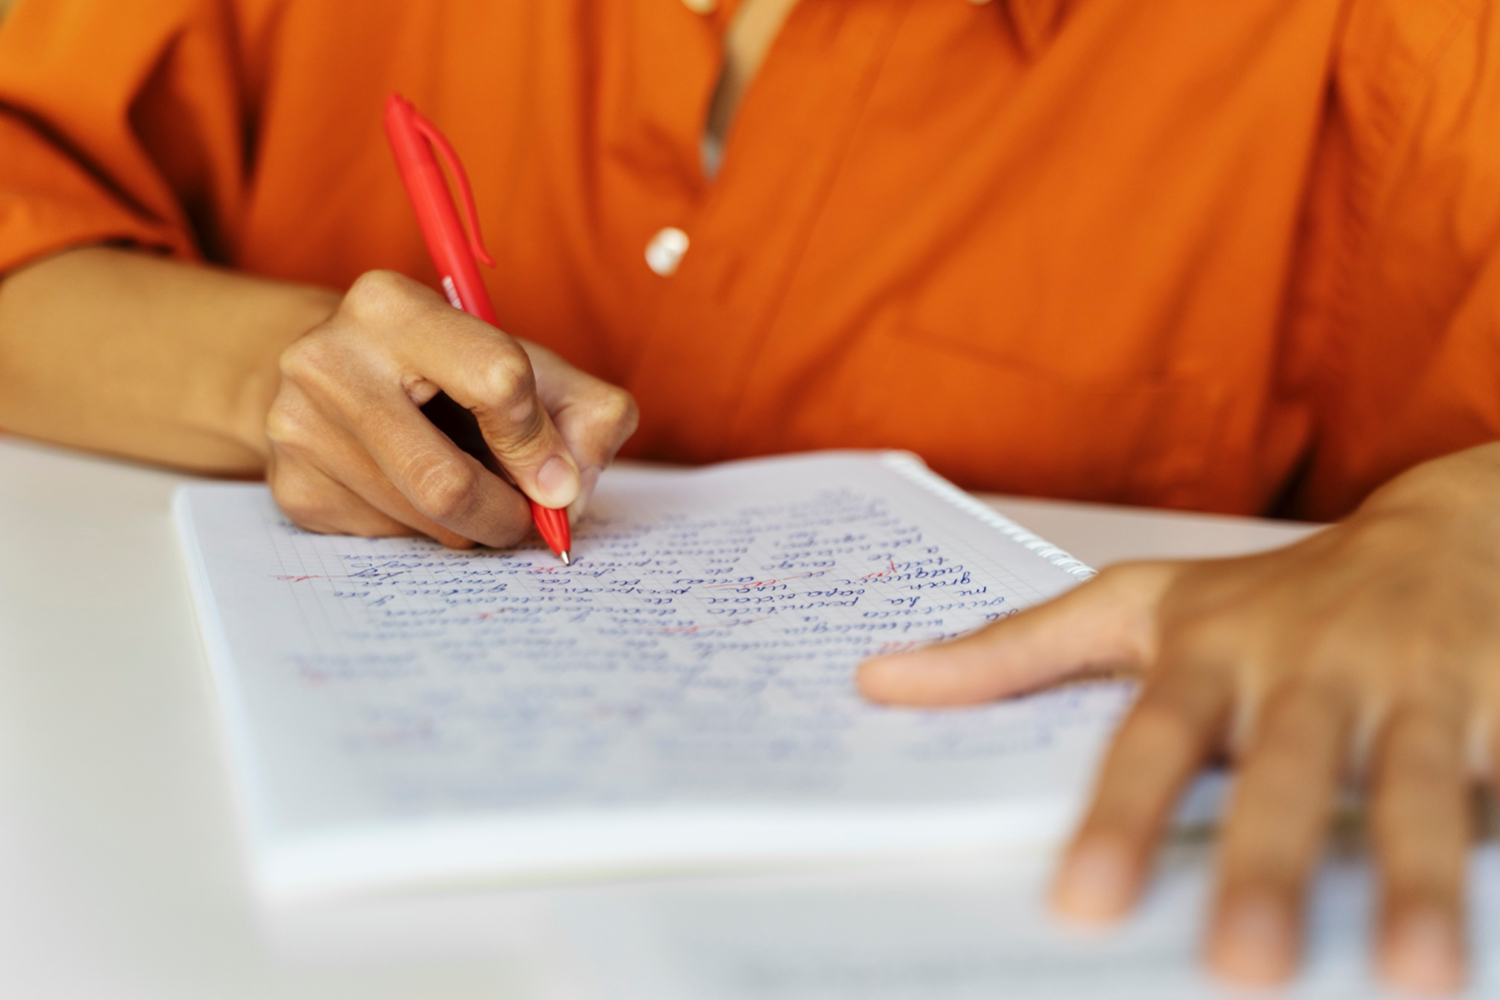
(701,6)
(665,251)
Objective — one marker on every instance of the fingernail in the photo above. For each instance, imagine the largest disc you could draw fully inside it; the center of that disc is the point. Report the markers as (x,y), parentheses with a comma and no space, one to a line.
(588,479)
(1253,941)
(1424,952)
(557,482)
(1096,883)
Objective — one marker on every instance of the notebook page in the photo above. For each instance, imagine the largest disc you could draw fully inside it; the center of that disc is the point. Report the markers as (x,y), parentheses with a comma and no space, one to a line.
(698,653)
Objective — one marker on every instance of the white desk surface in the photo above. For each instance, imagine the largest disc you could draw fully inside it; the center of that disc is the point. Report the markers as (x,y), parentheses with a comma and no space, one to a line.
(120,870)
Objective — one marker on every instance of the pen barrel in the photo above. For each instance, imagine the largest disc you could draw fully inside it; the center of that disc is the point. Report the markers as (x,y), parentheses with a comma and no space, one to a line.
(552,524)
(447,244)
(436,215)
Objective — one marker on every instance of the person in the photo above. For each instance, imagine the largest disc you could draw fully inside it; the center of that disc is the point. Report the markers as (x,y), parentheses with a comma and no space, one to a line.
(1238,258)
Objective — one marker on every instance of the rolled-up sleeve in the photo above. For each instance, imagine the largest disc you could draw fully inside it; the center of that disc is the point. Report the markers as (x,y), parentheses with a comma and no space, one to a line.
(120,123)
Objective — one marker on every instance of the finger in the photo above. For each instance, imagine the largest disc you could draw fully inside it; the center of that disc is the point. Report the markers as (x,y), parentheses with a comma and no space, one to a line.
(1420,819)
(594,417)
(1109,621)
(1276,825)
(318,503)
(435,348)
(441,483)
(343,461)
(380,446)
(490,375)
(1160,746)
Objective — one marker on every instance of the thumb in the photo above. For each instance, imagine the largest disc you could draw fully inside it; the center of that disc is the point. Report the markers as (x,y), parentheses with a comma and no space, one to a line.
(1108,622)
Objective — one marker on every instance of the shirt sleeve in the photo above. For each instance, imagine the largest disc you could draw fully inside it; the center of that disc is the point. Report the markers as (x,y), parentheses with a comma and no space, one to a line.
(119,123)
(1408,200)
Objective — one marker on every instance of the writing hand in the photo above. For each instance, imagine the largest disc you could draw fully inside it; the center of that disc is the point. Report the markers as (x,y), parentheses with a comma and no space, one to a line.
(352,452)
(1369,650)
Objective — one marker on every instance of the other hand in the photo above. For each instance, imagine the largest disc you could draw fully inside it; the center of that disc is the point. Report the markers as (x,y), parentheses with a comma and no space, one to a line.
(1370,650)
(353,453)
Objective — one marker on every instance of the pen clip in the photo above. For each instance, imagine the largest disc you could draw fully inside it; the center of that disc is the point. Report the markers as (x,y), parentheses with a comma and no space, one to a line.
(449,156)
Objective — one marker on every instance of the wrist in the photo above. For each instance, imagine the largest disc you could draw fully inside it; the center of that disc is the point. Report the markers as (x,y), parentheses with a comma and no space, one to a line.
(1457,493)
(294,311)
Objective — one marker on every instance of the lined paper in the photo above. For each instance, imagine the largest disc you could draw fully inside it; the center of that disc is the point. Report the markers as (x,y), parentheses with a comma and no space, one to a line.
(683,689)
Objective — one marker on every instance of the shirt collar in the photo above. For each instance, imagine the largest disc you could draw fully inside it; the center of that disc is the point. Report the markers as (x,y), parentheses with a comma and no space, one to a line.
(1035,21)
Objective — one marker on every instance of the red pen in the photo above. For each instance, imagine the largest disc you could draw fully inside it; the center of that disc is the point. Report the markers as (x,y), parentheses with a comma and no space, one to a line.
(413,139)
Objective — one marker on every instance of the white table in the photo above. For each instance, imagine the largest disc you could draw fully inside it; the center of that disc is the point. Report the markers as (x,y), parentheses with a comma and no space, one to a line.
(120,871)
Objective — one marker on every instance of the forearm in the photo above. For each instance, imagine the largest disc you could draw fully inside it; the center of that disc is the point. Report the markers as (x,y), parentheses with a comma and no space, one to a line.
(135,355)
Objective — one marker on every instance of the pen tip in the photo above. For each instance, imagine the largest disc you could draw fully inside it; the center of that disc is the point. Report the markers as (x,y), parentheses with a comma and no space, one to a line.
(566,556)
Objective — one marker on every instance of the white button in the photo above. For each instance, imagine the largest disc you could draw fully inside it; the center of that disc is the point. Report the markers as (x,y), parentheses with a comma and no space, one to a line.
(701,6)
(665,251)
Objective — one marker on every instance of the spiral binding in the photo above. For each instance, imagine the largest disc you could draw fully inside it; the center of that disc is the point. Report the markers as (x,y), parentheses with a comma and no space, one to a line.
(914,469)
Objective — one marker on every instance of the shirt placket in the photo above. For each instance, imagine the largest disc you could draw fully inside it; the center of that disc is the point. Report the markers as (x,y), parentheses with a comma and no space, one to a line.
(714,276)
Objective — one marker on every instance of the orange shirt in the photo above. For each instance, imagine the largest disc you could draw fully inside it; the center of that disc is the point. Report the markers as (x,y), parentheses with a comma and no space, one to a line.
(1148,251)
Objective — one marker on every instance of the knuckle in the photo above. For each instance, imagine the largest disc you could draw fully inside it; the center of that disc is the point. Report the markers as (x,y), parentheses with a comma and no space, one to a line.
(510,410)
(443,490)
(377,291)
(298,358)
(509,382)
(289,426)
(619,413)
(302,501)
(310,361)
(281,426)
(386,298)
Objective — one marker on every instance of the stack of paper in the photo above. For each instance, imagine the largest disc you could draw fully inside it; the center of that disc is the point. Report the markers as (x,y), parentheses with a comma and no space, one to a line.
(680,696)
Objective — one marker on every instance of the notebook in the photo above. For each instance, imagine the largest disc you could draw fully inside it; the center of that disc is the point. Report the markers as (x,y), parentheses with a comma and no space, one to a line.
(398,714)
